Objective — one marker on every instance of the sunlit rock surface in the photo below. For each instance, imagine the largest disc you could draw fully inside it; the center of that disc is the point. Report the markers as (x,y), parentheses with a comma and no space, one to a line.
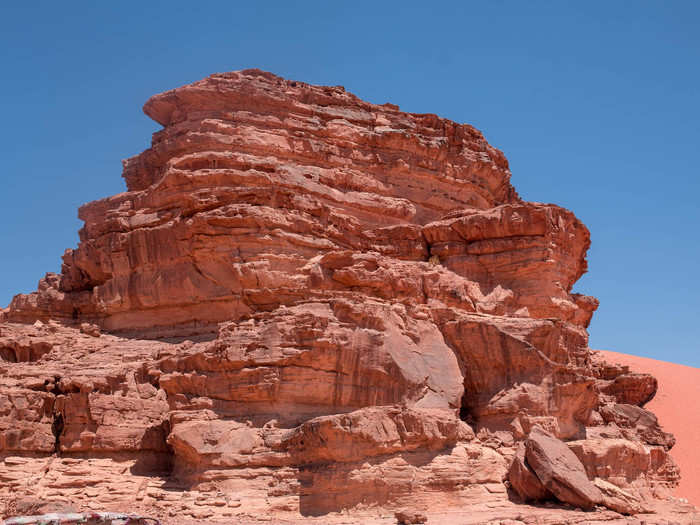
(307,306)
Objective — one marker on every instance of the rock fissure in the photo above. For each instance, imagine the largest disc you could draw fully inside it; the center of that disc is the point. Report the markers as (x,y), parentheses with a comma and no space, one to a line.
(57,426)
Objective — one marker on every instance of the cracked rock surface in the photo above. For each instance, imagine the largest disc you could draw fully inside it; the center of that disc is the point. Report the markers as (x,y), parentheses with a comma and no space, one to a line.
(307,307)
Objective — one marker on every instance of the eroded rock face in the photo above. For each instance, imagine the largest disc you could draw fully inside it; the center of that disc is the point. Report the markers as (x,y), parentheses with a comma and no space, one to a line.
(306,304)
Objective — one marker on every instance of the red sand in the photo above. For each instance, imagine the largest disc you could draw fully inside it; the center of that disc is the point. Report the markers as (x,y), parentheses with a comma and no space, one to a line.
(676,404)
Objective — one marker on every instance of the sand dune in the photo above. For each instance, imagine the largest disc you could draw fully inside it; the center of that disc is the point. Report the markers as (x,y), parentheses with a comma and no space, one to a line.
(676,404)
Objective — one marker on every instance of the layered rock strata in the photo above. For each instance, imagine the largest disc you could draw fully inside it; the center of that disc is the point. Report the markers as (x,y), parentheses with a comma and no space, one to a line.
(309,305)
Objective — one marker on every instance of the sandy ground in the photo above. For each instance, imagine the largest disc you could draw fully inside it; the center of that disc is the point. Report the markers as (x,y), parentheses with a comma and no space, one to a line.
(677,405)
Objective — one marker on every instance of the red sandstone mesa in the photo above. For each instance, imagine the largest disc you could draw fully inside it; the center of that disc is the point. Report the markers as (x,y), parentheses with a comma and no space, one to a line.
(309,305)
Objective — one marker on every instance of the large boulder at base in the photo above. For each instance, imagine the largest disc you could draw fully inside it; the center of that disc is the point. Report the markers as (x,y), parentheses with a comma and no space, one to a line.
(524,480)
(560,471)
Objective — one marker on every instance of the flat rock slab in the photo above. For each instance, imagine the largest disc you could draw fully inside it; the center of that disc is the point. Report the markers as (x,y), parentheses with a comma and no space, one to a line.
(560,471)
(523,479)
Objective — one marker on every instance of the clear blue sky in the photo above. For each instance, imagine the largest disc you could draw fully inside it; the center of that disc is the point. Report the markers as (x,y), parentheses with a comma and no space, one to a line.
(596,104)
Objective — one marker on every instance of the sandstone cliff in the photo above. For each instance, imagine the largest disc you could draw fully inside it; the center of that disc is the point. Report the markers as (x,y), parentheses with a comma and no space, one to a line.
(309,305)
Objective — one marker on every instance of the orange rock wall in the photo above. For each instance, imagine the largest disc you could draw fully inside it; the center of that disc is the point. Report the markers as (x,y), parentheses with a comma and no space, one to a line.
(308,305)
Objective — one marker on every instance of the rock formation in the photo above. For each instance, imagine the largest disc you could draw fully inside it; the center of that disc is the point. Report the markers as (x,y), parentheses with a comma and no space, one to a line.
(679,388)
(309,305)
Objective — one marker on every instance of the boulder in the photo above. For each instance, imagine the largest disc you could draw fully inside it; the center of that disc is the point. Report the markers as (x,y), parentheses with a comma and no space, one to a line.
(560,471)
(524,480)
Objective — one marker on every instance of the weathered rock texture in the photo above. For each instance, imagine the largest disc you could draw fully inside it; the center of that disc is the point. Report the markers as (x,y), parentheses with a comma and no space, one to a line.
(309,305)
(679,390)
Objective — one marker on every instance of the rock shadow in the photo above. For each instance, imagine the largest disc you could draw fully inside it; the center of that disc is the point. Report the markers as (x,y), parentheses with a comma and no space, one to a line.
(159,461)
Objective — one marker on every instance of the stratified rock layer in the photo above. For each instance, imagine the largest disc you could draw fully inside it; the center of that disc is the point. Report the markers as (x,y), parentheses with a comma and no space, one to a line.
(308,305)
